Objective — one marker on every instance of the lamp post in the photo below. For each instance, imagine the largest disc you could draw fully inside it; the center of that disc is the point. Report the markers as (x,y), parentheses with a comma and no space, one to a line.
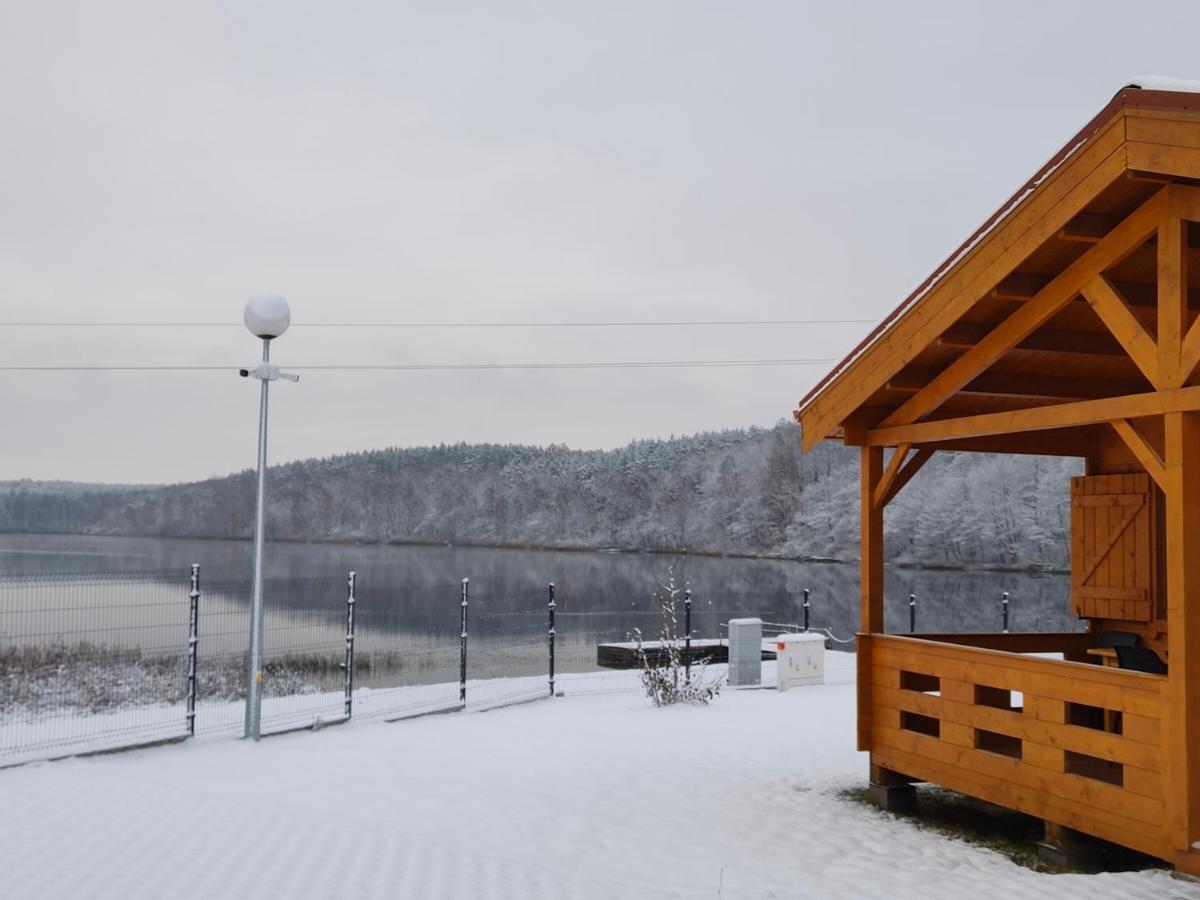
(267,316)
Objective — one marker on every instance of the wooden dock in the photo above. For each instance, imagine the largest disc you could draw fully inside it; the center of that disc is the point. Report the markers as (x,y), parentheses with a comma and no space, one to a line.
(624,655)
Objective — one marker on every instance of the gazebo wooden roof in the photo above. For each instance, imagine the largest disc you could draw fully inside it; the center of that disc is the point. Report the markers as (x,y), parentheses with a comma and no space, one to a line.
(1066,325)
(942,355)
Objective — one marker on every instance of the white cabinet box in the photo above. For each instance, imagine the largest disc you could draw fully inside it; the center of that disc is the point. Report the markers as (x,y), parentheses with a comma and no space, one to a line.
(799,660)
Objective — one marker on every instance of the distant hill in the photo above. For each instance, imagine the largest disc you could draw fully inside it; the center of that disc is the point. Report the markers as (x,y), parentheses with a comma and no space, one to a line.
(742,491)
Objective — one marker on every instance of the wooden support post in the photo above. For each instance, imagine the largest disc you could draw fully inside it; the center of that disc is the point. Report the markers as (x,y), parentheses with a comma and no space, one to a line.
(871,584)
(1172,302)
(871,590)
(1183,634)
(866,715)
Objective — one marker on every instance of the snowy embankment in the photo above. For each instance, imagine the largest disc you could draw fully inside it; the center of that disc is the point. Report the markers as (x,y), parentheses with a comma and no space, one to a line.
(577,797)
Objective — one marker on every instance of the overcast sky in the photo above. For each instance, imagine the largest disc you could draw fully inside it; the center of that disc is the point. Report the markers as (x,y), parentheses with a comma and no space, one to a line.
(499,162)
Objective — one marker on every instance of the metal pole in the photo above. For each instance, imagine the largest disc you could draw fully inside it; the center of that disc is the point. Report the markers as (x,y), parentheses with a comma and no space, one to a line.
(254,673)
(550,607)
(687,635)
(349,664)
(193,640)
(462,654)
(806,609)
(1004,608)
(912,613)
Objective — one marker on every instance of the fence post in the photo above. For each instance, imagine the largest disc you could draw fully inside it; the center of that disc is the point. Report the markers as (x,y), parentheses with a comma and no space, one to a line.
(193,641)
(912,613)
(348,665)
(687,635)
(1004,610)
(550,607)
(462,649)
(806,609)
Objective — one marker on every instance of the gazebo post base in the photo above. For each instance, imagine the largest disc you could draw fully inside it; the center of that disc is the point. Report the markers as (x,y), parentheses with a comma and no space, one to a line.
(891,791)
(1065,847)
(1187,865)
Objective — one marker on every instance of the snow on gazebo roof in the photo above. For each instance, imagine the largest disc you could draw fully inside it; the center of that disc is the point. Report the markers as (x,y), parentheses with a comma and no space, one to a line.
(1164,83)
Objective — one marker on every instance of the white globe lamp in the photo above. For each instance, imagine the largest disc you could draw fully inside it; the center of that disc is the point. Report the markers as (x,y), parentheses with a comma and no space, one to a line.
(267,316)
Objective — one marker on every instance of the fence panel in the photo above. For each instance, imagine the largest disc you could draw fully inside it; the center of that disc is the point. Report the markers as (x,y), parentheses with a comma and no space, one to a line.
(582,628)
(304,635)
(304,645)
(221,653)
(406,651)
(91,663)
(508,659)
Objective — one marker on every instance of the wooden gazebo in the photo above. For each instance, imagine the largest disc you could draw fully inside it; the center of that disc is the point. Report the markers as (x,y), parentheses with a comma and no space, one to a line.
(1065,326)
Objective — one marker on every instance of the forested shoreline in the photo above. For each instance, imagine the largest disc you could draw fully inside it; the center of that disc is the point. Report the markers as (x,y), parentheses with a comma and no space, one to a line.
(744,492)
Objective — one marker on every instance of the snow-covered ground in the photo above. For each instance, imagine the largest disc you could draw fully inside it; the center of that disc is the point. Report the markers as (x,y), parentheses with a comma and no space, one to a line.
(49,733)
(577,797)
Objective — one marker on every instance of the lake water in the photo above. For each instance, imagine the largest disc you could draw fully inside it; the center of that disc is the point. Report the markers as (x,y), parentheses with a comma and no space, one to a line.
(416,589)
(91,624)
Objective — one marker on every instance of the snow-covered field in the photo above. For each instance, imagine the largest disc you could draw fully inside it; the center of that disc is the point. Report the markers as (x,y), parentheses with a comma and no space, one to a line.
(584,796)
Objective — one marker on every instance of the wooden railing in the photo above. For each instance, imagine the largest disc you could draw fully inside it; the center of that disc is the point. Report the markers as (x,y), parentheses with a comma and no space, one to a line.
(1079,745)
(1072,645)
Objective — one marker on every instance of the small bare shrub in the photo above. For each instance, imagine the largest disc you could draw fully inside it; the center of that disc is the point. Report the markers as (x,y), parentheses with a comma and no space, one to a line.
(665,676)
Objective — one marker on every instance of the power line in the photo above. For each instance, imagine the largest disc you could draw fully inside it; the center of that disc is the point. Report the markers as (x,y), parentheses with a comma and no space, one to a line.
(663,364)
(446,367)
(624,324)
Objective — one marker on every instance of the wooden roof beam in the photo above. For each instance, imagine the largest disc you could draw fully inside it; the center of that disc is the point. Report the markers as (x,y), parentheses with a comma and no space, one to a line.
(1147,177)
(1088,228)
(890,471)
(1112,309)
(861,421)
(1144,294)
(1039,418)
(889,487)
(1132,231)
(1079,442)
(1143,450)
(1019,286)
(1020,384)
(1141,296)
(1045,340)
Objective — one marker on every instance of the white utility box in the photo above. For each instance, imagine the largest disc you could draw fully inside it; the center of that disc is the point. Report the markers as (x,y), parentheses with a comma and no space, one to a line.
(799,660)
(745,652)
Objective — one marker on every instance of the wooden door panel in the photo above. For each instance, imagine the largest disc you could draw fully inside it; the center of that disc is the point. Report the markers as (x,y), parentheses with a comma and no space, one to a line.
(1112,547)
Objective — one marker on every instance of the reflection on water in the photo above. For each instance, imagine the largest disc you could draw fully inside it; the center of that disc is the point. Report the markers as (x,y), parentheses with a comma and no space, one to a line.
(414,591)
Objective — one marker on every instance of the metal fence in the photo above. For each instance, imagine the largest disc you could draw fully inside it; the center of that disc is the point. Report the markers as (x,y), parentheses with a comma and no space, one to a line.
(94,663)
(91,663)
